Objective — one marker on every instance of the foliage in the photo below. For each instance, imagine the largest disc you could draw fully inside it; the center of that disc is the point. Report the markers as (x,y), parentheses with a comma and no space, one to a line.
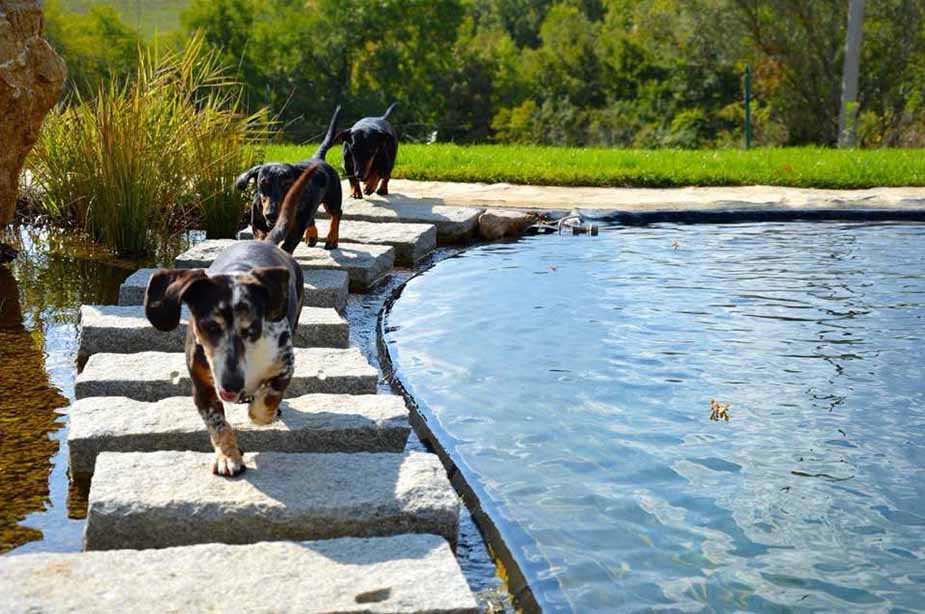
(587,166)
(625,73)
(144,158)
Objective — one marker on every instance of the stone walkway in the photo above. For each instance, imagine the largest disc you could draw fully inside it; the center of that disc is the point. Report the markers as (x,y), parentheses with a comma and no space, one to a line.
(333,468)
(434,194)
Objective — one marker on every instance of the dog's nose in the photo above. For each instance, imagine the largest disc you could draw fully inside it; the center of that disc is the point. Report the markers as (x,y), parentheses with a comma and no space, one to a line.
(228,396)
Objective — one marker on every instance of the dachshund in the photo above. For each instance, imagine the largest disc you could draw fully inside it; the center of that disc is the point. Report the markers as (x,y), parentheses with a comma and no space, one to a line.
(270,220)
(243,310)
(370,149)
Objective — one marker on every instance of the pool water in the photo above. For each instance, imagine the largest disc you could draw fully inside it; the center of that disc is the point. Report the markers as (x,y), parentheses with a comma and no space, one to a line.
(572,378)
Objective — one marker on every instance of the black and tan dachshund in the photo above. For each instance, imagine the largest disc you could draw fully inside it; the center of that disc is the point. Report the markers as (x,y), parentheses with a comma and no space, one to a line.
(272,221)
(370,148)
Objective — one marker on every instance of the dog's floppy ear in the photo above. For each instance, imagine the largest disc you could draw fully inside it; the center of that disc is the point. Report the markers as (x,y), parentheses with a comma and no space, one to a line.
(246,177)
(344,136)
(275,280)
(165,293)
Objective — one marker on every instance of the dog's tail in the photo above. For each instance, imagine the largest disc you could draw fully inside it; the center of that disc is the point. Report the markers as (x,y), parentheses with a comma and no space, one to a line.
(389,110)
(328,138)
(287,212)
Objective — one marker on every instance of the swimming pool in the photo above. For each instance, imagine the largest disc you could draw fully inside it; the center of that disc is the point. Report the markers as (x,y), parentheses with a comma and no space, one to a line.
(572,376)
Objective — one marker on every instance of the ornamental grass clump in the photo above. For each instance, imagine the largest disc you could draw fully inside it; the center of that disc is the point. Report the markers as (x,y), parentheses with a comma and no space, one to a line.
(145,160)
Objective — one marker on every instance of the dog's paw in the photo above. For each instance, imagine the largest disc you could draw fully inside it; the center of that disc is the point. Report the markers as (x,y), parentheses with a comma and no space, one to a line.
(228,466)
(328,245)
(382,191)
(356,194)
(368,190)
(312,242)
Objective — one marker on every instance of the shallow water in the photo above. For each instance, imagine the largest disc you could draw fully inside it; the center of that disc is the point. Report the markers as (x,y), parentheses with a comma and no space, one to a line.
(573,377)
(40,295)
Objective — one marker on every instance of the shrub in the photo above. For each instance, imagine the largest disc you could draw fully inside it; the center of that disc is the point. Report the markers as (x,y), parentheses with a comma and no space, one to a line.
(149,158)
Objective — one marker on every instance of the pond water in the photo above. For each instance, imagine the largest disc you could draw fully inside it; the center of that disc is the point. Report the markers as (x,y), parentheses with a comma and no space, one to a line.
(40,297)
(572,379)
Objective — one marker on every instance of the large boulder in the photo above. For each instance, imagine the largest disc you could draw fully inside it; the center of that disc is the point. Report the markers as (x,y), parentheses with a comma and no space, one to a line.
(31,78)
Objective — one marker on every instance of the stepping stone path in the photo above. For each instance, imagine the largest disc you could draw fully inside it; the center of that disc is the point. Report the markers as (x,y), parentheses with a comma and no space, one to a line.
(125,330)
(454,224)
(158,499)
(334,468)
(412,242)
(309,423)
(323,288)
(405,573)
(152,376)
(366,265)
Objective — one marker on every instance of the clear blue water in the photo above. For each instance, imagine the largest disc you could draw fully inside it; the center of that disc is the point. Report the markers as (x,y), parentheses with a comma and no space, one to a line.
(573,377)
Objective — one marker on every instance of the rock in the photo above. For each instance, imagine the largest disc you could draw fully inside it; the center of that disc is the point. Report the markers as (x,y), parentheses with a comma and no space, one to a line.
(125,330)
(151,376)
(403,574)
(323,288)
(31,79)
(309,423)
(412,242)
(454,224)
(496,224)
(162,499)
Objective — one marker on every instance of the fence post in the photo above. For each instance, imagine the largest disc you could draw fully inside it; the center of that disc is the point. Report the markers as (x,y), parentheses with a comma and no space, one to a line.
(748,107)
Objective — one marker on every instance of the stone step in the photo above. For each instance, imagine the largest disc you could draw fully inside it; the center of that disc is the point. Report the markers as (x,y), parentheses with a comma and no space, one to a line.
(404,574)
(151,376)
(125,330)
(366,265)
(323,288)
(454,224)
(412,242)
(161,499)
(309,423)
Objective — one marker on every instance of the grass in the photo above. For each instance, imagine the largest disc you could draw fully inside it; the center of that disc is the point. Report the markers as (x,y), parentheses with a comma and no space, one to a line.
(149,16)
(140,162)
(797,167)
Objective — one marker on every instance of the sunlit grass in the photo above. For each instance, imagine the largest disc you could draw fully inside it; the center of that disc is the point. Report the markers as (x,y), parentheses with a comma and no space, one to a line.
(797,167)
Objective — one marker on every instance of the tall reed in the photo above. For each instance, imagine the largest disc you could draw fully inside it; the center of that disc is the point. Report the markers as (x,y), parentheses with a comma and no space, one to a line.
(144,160)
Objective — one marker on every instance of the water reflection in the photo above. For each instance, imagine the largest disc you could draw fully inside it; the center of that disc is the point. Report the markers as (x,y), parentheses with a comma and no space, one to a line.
(40,295)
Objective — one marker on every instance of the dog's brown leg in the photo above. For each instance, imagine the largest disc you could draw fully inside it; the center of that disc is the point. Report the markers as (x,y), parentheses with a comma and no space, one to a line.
(371,182)
(311,235)
(228,459)
(383,187)
(259,235)
(333,233)
(355,189)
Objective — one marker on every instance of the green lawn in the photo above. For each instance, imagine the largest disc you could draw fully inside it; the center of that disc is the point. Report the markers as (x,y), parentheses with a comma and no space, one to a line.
(149,16)
(798,167)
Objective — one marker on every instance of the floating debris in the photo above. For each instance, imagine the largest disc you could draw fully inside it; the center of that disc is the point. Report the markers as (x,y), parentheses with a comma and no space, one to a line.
(826,476)
(719,411)
(675,244)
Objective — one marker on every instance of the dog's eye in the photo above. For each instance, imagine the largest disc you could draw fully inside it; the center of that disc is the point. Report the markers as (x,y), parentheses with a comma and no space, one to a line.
(252,331)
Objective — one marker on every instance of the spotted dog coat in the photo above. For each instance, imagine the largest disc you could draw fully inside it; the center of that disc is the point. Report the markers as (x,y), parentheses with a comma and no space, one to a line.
(239,342)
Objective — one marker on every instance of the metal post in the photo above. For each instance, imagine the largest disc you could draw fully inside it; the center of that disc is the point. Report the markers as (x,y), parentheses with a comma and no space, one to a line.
(848,116)
(748,107)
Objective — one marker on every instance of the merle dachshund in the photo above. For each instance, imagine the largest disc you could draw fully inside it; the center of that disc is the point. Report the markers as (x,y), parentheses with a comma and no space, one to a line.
(370,148)
(276,223)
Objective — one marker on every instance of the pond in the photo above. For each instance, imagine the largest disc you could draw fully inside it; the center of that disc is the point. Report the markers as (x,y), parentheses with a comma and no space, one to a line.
(572,378)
